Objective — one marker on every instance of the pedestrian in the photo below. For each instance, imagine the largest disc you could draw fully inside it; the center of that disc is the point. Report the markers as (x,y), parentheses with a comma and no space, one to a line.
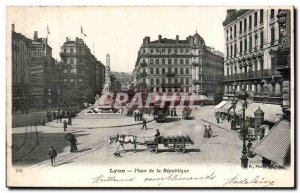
(175,113)
(73,145)
(262,132)
(138,116)
(157,133)
(134,115)
(60,118)
(69,120)
(149,111)
(65,125)
(210,131)
(52,154)
(172,112)
(141,116)
(206,133)
(144,124)
(54,115)
(57,116)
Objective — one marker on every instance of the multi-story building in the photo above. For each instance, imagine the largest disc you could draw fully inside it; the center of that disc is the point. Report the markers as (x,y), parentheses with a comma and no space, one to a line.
(81,70)
(21,62)
(42,71)
(174,65)
(252,36)
(124,78)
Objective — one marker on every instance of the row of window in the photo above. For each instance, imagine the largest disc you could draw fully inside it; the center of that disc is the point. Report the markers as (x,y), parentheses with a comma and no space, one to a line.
(72,80)
(73,60)
(233,70)
(158,89)
(72,71)
(38,53)
(169,61)
(164,81)
(37,71)
(72,50)
(232,49)
(166,70)
(232,31)
(166,51)
(19,44)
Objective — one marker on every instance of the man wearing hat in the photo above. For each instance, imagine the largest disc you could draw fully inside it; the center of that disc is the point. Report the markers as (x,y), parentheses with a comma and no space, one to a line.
(52,154)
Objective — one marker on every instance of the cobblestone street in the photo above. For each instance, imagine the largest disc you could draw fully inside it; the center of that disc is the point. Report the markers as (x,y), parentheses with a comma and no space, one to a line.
(93,134)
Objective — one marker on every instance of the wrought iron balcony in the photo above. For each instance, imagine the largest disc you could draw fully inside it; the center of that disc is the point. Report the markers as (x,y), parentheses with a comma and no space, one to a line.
(198,81)
(170,74)
(143,74)
(143,64)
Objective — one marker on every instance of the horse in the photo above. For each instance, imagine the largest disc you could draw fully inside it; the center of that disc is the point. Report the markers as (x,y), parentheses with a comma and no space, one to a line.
(123,139)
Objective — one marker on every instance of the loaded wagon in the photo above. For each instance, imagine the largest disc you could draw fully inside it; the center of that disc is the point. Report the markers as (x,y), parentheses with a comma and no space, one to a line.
(177,144)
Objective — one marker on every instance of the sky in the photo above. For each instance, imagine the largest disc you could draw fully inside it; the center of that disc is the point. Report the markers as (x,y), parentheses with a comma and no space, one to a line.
(118,31)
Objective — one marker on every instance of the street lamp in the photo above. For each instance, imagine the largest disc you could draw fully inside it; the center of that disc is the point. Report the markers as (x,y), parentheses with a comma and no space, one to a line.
(49,99)
(58,94)
(243,97)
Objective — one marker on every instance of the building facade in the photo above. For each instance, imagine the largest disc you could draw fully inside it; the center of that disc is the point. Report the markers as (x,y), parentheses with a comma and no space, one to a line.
(174,65)
(42,71)
(252,36)
(82,74)
(21,62)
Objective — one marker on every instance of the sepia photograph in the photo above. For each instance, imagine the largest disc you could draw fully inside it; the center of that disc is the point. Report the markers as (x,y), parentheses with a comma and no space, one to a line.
(150,96)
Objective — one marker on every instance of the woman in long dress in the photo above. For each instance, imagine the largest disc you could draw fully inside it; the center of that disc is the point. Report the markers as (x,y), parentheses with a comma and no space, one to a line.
(206,133)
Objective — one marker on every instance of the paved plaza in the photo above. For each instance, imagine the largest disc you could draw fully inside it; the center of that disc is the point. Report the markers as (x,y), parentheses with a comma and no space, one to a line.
(93,133)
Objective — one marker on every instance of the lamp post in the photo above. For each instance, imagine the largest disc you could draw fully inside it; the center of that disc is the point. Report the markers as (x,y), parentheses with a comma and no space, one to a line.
(58,96)
(243,97)
(49,99)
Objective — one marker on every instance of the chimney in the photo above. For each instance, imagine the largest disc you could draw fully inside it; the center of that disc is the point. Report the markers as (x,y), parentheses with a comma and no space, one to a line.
(177,37)
(35,37)
(146,40)
(159,38)
(13,27)
(67,39)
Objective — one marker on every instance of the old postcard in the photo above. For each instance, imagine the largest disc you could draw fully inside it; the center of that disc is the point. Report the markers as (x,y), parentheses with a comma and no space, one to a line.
(190,96)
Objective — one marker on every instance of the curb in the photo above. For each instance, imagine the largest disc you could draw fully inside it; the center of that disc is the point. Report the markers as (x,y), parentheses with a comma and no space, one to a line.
(113,125)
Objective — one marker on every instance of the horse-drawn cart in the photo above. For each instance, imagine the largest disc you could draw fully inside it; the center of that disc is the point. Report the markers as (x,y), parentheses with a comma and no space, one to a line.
(178,143)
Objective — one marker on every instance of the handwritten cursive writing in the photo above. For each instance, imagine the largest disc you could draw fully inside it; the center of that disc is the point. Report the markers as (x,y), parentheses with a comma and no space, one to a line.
(256,180)
(102,178)
(177,177)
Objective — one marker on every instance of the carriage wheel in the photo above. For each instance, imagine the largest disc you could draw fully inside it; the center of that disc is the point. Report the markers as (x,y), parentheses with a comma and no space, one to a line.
(180,148)
(153,148)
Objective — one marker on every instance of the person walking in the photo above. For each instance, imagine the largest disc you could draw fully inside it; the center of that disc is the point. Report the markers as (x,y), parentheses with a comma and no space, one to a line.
(210,132)
(218,117)
(206,133)
(52,155)
(57,116)
(60,118)
(144,124)
(54,115)
(73,145)
(134,115)
(69,120)
(65,125)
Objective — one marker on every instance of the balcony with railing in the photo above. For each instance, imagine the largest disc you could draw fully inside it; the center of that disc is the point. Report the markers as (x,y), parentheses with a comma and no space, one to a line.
(170,74)
(267,73)
(143,64)
(143,74)
(71,54)
(197,81)
(282,59)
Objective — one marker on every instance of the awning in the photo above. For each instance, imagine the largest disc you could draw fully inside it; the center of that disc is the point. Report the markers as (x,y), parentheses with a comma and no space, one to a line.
(226,107)
(276,146)
(220,105)
(271,111)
